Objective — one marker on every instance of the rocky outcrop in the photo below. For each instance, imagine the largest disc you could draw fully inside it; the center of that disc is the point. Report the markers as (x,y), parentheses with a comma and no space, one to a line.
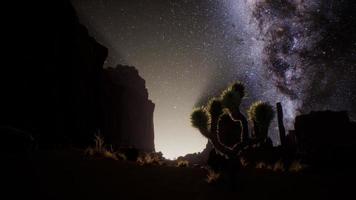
(128,113)
(200,158)
(50,78)
(54,87)
(326,137)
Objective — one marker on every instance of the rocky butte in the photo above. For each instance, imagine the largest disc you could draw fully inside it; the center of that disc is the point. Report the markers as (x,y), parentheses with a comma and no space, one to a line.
(55,90)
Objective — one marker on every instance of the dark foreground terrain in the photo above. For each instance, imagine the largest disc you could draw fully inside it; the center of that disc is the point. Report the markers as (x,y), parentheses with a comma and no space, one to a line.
(71,175)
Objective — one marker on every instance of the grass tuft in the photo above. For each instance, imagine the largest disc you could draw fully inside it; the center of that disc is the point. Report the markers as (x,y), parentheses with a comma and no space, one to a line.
(182,163)
(244,162)
(296,166)
(279,166)
(212,176)
(261,165)
(100,151)
(150,159)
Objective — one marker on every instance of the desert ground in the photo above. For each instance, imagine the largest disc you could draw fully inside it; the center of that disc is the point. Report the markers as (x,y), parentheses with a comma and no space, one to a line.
(71,175)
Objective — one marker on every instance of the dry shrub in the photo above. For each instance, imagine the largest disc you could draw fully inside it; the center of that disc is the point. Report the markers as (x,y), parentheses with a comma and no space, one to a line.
(150,159)
(100,150)
(182,163)
(261,165)
(279,166)
(296,166)
(212,176)
(244,162)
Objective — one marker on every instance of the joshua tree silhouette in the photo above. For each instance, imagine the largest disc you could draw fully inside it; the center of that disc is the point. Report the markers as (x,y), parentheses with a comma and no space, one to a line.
(221,120)
(227,128)
(231,98)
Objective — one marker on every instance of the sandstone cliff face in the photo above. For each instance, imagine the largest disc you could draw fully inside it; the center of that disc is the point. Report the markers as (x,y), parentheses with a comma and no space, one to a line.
(53,85)
(128,113)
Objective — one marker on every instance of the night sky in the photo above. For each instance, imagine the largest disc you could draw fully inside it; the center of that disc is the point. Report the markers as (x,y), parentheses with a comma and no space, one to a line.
(301,53)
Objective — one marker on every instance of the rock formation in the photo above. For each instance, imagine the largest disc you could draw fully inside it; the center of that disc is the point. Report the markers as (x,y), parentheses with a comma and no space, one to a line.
(53,85)
(200,158)
(128,113)
(51,77)
(326,137)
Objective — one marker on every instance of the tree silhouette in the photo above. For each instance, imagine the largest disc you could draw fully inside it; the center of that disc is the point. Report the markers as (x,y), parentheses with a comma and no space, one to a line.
(231,98)
(261,114)
(221,121)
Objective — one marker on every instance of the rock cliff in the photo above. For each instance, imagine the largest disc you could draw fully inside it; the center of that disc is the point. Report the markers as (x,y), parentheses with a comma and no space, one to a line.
(128,111)
(53,86)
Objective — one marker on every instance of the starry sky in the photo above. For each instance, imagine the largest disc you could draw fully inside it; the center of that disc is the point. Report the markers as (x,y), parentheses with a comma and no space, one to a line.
(188,50)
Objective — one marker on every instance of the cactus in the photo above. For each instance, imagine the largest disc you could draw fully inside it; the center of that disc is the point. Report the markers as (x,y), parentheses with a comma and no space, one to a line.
(261,114)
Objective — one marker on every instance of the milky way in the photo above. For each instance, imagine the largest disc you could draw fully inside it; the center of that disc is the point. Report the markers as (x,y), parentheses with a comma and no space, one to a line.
(307,48)
(301,53)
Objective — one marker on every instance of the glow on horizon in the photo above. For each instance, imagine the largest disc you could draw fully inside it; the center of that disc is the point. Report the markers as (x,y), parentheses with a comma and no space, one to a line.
(174,135)
(189,141)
